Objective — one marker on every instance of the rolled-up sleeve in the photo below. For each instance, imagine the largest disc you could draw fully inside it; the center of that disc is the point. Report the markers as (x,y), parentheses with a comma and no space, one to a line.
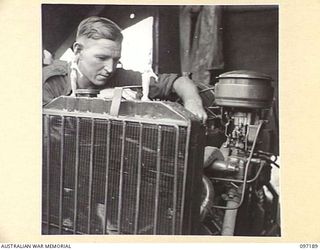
(163,87)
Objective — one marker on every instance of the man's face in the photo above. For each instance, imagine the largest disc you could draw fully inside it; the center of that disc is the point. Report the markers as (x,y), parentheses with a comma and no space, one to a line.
(98,59)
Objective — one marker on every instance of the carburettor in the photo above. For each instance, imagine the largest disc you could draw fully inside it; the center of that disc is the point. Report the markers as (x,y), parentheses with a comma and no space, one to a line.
(245,97)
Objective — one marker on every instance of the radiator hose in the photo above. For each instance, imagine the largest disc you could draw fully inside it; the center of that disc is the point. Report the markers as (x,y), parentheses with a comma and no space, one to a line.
(208,193)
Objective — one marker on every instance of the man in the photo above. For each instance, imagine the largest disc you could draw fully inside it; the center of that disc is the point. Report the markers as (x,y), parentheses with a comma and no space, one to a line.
(97,52)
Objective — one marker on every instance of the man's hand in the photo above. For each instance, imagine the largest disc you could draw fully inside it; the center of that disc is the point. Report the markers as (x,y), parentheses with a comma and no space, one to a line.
(186,89)
(196,109)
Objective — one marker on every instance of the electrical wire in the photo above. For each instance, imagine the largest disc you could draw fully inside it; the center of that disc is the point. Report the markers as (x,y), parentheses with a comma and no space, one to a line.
(207,89)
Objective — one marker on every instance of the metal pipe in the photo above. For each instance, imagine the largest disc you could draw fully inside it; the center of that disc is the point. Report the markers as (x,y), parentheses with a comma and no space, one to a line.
(61,173)
(225,166)
(175,180)
(121,175)
(185,176)
(90,175)
(241,181)
(76,176)
(208,199)
(230,217)
(48,172)
(156,208)
(136,221)
(104,222)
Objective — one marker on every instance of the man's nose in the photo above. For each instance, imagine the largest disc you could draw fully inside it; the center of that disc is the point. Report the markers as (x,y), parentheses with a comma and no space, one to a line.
(108,65)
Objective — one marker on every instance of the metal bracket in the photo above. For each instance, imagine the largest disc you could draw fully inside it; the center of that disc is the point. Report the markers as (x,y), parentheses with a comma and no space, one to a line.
(116,101)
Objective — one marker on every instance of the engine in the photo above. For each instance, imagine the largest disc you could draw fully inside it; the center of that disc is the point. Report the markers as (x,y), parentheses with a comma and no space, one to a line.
(244,202)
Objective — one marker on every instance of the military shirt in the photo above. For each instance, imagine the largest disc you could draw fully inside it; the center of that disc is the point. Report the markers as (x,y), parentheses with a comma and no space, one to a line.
(56,82)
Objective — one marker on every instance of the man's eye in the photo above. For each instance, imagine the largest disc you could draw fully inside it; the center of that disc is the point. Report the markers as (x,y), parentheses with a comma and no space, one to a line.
(101,58)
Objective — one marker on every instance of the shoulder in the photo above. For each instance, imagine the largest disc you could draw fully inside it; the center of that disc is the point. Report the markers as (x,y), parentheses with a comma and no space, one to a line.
(55,81)
(57,68)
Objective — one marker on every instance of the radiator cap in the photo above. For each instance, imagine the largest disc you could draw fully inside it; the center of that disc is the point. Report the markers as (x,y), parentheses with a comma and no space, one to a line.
(87,92)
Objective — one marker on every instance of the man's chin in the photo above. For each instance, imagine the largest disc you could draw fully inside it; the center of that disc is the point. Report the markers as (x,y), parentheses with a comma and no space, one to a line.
(100,82)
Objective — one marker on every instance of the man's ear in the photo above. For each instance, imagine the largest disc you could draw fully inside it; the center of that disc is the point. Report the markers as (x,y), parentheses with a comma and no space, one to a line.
(77,48)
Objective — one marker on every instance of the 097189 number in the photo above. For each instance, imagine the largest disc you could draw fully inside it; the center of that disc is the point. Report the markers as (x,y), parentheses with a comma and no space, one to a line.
(308,245)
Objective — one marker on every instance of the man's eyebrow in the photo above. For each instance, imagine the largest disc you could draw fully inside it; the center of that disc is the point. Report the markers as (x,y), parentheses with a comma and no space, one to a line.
(102,54)
(107,56)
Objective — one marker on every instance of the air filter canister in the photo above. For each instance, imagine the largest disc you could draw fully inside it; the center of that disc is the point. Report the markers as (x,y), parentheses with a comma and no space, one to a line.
(241,88)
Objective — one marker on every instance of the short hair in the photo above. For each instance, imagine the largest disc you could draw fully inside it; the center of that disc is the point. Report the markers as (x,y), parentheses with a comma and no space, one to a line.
(99,28)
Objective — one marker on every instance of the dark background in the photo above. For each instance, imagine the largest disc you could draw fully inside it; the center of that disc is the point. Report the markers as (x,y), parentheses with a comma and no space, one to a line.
(250,32)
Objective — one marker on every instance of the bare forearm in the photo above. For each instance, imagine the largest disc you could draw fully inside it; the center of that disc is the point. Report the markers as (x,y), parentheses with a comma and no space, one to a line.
(188,92)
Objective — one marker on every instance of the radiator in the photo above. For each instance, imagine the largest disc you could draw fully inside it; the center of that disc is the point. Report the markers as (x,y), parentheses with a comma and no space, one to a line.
(135,173)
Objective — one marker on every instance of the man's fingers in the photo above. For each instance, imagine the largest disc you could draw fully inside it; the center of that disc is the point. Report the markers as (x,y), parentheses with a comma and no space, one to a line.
(197,110)
(204,117)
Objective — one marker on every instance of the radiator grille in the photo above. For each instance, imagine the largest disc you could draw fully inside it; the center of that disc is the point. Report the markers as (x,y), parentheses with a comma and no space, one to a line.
(111,176)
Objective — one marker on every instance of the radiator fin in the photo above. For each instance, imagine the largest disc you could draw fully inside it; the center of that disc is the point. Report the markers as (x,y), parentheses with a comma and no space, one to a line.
(118,177)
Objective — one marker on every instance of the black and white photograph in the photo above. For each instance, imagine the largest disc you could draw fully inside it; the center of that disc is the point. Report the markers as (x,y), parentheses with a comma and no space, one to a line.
(160,120)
